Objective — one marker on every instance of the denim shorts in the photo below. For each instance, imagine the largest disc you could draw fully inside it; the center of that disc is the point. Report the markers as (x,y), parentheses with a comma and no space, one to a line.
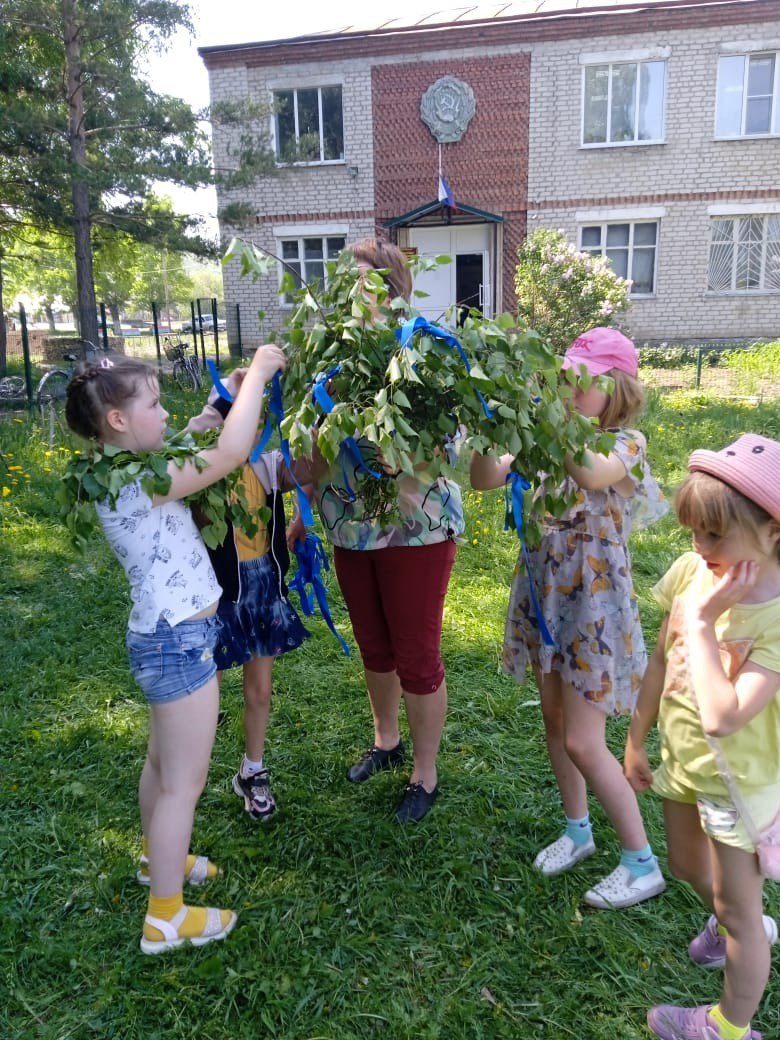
(171,663)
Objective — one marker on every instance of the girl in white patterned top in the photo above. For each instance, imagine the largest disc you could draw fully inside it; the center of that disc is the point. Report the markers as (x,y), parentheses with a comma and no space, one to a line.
(171,631)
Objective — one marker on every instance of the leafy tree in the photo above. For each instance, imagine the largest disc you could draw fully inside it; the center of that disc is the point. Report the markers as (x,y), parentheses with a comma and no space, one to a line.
(84,137)
(40,266)
(562,292)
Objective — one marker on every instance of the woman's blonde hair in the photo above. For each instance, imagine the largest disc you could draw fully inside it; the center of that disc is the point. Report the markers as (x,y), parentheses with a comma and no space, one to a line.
(708,504)
(625,403)
(385,256)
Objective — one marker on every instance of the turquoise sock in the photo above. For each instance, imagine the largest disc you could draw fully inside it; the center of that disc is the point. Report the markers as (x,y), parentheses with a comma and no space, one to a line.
(639,862)
(578,830)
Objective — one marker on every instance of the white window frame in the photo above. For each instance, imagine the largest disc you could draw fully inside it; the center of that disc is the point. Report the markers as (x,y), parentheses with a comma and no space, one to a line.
(604,221)
(611,59)
(774,120)
(298,234)
(734,214)
(319,87)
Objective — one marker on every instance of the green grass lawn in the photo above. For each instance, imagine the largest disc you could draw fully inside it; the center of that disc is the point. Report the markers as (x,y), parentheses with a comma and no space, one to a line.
(349,926)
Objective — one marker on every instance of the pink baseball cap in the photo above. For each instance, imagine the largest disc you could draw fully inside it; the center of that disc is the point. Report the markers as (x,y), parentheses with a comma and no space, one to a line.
(600,350)
(751,465)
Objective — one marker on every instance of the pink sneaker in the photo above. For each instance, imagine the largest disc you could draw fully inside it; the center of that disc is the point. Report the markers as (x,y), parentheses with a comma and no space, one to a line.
(678,1023)
(708,949)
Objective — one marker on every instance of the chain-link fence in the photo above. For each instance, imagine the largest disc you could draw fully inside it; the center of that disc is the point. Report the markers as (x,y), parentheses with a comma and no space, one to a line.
(722,369)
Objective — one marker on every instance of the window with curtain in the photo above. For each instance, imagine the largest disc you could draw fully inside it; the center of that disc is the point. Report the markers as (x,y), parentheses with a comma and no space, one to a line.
(309,125)
(623,103)
(631,247)
(748,103)
(305,259)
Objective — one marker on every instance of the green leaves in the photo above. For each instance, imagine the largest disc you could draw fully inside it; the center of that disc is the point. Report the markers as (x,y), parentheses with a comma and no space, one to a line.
(406,401)
(100,474)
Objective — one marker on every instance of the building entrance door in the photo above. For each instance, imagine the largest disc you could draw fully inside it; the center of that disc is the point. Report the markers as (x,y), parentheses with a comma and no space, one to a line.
(465,283)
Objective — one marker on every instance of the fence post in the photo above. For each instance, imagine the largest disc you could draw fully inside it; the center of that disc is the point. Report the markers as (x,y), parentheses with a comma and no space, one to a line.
(26,355)
(699,356)
(238,330)
(215,327)
(104,326)
(156,327)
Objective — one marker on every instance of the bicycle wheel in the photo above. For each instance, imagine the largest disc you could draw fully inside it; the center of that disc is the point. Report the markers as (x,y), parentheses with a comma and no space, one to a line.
(52,390)
(12,388)
(183,375)
(192,364)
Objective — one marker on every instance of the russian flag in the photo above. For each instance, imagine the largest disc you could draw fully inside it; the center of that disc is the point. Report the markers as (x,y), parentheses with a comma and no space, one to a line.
(445,192)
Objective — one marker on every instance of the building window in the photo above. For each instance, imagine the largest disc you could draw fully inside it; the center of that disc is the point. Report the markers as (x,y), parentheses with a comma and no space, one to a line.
(745,254)
(309,125)
(305,258)
(748,95)
(631,247)
(623,103)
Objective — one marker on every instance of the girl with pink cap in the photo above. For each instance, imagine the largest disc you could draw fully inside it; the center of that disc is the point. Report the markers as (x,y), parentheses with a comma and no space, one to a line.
(590,665)
(713,682)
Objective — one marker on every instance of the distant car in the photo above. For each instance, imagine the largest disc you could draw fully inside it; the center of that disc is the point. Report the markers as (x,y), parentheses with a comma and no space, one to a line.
(206,323)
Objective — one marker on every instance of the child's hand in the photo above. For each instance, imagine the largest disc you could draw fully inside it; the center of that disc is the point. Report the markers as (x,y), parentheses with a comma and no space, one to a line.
(732,588)
(234,380)
(269,359)
(636,768)
(296,532)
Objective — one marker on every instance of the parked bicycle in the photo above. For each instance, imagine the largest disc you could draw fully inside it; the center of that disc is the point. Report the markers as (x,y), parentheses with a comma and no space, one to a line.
(185,366)
(50,391)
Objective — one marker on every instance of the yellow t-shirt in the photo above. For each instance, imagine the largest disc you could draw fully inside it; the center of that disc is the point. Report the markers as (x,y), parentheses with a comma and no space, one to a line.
(748,631)
(250,548)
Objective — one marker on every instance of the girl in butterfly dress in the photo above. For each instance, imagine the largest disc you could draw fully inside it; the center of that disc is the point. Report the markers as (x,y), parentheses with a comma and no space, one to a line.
(581,572)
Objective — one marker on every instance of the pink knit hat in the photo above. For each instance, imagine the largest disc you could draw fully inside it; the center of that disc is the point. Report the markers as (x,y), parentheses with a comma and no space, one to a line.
(751,465)
(601,349)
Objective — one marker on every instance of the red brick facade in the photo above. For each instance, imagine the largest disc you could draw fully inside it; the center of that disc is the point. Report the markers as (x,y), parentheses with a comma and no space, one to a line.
(487,168)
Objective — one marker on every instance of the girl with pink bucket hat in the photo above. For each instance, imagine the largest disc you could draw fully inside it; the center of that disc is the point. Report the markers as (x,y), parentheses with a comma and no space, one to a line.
(712,683)
(582,637)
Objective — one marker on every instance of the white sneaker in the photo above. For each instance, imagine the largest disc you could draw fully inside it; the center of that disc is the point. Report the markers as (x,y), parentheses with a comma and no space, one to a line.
(621,888)
(562,855)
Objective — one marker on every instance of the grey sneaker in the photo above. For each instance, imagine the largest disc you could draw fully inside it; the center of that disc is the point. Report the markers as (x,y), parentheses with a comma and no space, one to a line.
(621,888)
(708,949)
(256,792)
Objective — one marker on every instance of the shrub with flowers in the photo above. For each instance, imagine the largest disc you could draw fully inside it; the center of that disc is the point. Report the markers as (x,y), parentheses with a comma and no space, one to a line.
(562,292)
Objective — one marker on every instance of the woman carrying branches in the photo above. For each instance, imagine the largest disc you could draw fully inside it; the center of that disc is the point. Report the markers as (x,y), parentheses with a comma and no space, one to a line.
(393,573)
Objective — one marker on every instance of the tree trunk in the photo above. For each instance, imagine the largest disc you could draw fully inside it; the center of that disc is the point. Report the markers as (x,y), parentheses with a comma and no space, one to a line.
(50,316)
(3,326)
(115,321)
(87,306)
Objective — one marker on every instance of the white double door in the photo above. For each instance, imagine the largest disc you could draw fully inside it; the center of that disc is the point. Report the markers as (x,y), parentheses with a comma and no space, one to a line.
(465,282)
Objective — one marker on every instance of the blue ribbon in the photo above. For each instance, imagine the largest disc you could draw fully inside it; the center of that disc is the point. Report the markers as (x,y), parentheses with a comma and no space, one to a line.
(514,503)
(273,420)
(349,447)
(405,333)
(318,391)
(219,386)
(312,560)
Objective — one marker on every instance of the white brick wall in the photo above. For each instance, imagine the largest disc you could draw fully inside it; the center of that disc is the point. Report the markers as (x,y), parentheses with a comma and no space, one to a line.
(690,161)
(563,177)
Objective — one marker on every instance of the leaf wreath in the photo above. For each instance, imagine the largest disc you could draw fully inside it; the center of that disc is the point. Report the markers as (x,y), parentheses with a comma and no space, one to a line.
(100,474)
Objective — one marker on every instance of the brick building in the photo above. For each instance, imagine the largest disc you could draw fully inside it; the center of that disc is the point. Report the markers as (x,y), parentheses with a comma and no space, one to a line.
(649,132)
